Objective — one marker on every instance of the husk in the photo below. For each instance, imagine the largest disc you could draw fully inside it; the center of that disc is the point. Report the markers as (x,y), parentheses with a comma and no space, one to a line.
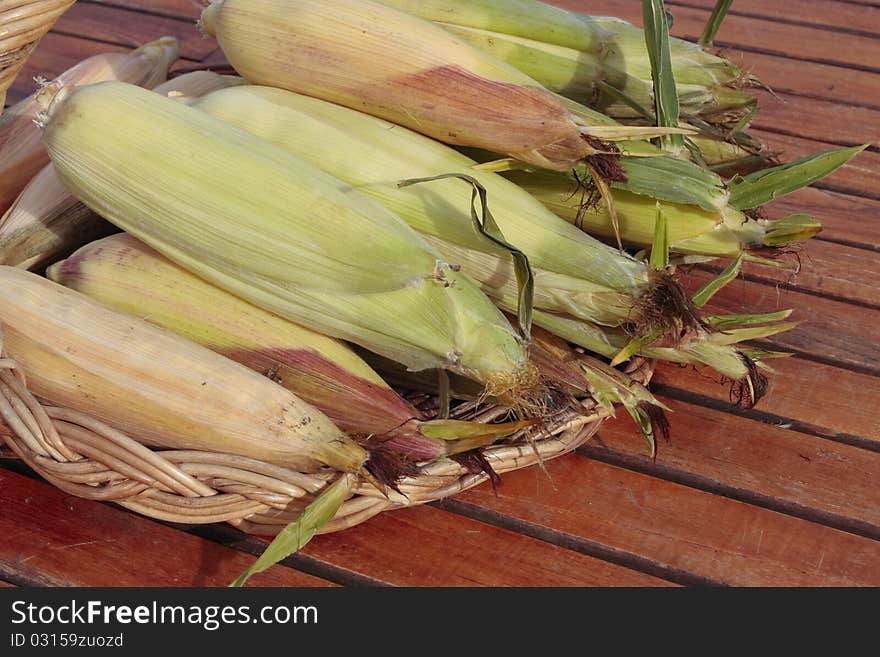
(375,156)
(129,276)
(388,63)
(156,386)
(46,221)
(22,155)
(302,255)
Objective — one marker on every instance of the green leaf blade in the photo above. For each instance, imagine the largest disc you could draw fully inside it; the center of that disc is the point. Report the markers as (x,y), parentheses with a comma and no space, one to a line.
(297,534)
(702,296)
(714,22)
(660,247)
(667,107)
(760,187)
(484,223)
(671,179)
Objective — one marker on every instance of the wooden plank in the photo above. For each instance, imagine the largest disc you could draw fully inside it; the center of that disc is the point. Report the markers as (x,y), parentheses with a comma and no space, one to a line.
(411,547)
(677,528)
(124,27)
(808,79)
(831,331)
(768,36)
(827,269)
(825,400)
(780,72)
(824,14)
(183,9)
(54,55)
(821,120)
(811,477)
(431,547)
(53,539)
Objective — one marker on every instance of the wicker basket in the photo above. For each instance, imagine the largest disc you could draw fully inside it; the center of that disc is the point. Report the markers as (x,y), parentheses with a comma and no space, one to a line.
(87,458)
(22,24)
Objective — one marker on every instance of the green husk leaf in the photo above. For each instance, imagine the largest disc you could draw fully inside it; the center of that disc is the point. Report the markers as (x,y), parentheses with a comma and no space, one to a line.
(769,262)
(674,180)
(643,421)
(485,224)
(702,296)
(755,189)
(760,355)
(660,246)
(503,164)
(298,533)
(734,336)
(608,389)
(634,133)
(793,228)
(455,430)
(714,22)
(665,92)
(725,322)
(635,346)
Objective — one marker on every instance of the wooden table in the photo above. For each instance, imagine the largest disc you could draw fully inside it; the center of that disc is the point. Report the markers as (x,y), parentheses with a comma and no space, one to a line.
(785,494)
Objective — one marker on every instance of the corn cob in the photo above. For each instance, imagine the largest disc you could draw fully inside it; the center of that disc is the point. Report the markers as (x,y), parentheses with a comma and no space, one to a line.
(188,87)
(270,228)
(574,273)
(374,156)
(129,276)
(385,62)
(21,153)
(581,56)
(46,220)
(691,230)
(161,388)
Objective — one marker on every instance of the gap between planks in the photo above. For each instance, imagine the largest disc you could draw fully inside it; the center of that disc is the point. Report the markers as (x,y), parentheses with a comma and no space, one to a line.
(714,487)
(816,14)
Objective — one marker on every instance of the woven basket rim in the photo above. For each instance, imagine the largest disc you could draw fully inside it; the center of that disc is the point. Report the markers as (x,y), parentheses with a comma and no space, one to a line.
(22,28)
(88,458)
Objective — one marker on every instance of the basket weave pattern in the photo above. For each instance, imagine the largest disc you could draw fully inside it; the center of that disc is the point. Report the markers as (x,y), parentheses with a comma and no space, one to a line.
(87,458)
(22,24)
